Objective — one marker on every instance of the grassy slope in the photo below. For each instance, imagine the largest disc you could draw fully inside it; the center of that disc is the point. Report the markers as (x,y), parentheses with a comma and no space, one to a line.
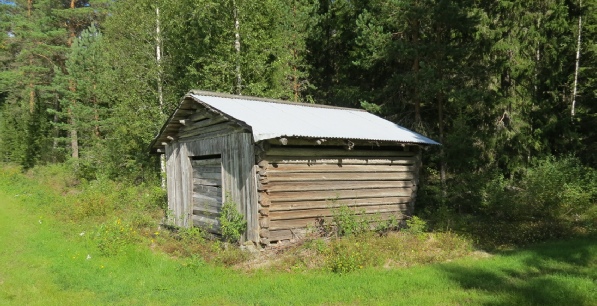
(40,264)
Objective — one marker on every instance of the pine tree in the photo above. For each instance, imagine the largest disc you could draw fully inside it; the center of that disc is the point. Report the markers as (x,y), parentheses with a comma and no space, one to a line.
(34,56)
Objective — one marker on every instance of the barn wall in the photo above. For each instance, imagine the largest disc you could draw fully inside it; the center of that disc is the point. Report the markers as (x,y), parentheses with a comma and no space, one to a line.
(204,136)
(300,184)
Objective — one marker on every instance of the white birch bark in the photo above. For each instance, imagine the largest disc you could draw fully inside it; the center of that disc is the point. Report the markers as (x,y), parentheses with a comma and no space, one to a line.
(574,90)
(237,47)
(158,57)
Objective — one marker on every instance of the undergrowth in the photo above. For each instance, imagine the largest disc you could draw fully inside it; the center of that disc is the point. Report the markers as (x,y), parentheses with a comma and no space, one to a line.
(552,198)
(370,250)
(54,256)
(116,217)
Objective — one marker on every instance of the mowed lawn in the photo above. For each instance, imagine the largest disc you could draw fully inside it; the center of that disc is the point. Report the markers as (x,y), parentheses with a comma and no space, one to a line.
(41,263)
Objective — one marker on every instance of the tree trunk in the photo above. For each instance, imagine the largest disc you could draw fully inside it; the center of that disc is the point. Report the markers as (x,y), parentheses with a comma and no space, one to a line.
(237,47)
(295,78)
(31,87)
(74,139)
(96,128)
(442,157)
(577,61)
(72,88)
(415,68)
(158,57)
(31,97)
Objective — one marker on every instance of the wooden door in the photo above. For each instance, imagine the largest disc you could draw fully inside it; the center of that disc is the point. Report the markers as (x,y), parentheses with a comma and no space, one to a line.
(207,191)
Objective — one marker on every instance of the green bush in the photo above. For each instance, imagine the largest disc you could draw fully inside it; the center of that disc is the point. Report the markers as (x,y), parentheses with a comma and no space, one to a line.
(232,223)
(415,225)
(383,227)
(552,198)
(191,234)
(348,222)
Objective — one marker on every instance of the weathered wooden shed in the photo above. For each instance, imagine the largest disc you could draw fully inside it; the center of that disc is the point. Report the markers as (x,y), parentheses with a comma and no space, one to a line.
(284,164)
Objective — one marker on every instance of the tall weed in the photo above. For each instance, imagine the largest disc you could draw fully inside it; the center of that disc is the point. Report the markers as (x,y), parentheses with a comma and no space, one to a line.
(348,222)
(232,222)
(114,236)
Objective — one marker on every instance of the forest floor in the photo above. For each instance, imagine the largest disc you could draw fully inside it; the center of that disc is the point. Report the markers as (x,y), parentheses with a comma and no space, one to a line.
(43,261)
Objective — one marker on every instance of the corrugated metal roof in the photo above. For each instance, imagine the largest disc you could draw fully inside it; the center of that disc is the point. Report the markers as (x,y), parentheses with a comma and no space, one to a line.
(272,119)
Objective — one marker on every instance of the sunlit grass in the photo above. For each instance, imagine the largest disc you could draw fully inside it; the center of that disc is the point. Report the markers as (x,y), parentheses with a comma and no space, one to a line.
(45,260)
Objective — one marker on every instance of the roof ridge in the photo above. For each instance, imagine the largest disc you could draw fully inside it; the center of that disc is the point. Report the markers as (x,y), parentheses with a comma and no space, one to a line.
(269,100)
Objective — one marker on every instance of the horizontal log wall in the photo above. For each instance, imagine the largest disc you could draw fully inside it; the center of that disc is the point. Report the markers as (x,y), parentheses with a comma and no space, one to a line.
(299,186)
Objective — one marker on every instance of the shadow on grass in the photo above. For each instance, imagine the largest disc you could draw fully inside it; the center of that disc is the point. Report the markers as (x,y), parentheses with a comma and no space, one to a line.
(560,273)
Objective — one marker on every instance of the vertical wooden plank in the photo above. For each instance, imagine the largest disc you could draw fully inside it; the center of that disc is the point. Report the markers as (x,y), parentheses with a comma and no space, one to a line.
(186,186)
(249,186)
(177,185)
(170,183)
(235,190)
(236,178)
(227,172)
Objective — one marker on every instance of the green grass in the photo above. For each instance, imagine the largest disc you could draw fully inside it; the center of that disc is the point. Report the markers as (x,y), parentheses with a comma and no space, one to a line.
(46,264)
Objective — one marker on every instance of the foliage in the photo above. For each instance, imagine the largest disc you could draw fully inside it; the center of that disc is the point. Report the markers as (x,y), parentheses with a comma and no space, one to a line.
(61,264)
(551,199)
(191,234)
(415,226)
(348,222)
(343,259)
(383,227)
(114,236)
(491,80)
(232,222)
(53,268)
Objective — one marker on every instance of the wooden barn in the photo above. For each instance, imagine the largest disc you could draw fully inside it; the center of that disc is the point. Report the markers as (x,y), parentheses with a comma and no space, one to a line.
(284,164)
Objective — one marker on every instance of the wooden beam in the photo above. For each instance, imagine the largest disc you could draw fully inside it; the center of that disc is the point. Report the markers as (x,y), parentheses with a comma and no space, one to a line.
(335,195)
(365,176)
(318,152)
(200,115)
(294,168)
(277,160)
(294,141)
(333,185)
(182,112)
(203,124)
(343,202)
(304,222)
(327,212)
(206,130)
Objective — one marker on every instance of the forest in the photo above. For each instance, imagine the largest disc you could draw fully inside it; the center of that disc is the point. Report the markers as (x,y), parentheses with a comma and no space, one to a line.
(509,88)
